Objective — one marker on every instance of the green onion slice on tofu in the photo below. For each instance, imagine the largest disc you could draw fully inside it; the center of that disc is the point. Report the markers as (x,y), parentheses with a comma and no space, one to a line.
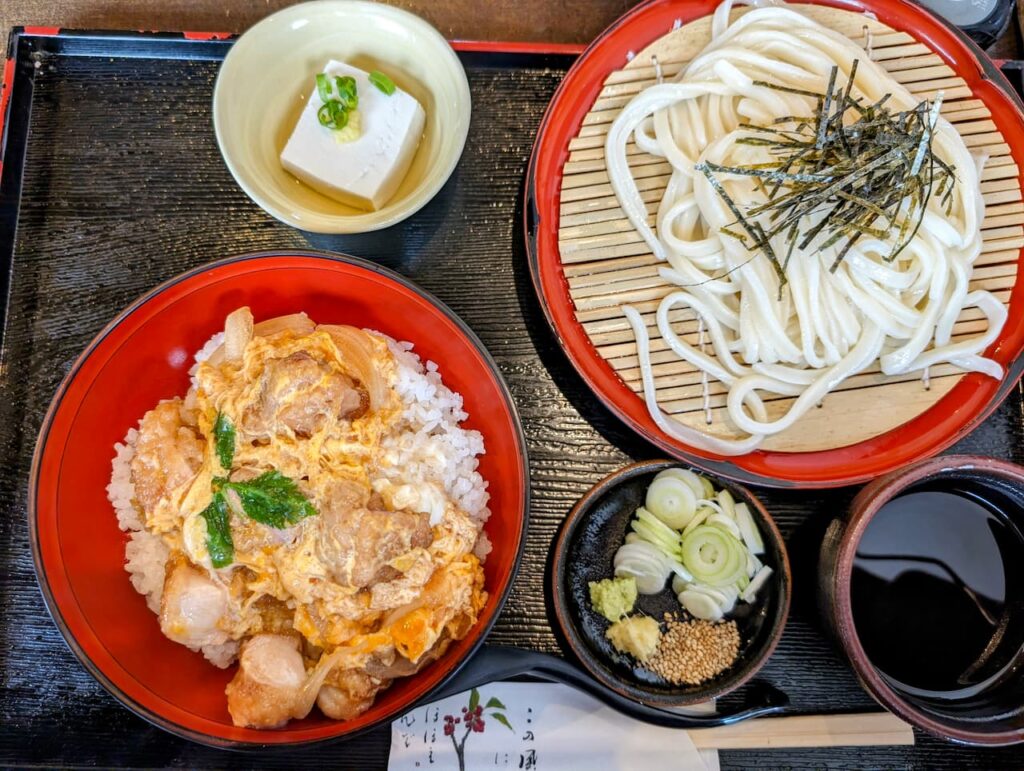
(382,82)
(339,100)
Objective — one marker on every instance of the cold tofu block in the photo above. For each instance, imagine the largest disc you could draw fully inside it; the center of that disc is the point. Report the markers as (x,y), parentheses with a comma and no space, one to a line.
(364,172)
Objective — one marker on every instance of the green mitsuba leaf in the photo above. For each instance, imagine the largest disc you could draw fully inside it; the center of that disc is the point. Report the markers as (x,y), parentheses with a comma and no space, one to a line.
(218,532)
(224,440)
(271,499)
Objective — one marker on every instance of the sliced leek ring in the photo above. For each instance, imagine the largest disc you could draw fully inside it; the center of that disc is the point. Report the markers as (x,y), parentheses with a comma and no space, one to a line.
(695,482)
(671,500)
(713,556)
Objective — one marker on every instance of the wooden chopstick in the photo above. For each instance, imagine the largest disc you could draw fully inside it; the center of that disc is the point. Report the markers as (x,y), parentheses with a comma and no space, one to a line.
(852,730)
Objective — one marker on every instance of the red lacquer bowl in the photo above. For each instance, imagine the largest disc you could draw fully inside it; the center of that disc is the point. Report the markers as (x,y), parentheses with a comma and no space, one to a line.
(142,357)
(959,411)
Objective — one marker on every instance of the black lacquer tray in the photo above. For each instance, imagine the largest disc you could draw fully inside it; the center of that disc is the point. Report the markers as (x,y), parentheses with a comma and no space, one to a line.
(111,183)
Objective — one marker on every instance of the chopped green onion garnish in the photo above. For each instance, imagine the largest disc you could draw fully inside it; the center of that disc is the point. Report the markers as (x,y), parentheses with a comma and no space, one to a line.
(323,87)
(346,86)
(332,115)
(383,82)
(334,111)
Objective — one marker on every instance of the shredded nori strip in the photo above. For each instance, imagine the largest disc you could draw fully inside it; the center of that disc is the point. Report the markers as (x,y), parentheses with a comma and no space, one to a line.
(872,176)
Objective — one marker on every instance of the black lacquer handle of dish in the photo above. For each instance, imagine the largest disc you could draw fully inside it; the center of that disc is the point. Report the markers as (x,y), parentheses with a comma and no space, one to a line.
(499,662)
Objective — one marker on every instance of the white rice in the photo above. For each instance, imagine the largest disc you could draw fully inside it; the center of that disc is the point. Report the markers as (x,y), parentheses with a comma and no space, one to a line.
(207,350)
(120,490)
(429,447)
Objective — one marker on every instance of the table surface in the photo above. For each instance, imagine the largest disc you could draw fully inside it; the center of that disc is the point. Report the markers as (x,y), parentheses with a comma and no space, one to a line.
(51,710)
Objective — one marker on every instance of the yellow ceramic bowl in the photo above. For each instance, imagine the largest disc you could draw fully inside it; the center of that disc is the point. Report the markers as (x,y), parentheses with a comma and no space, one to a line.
(269,73)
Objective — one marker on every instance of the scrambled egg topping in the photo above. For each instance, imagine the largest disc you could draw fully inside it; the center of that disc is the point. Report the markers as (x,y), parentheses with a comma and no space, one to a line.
(330,602)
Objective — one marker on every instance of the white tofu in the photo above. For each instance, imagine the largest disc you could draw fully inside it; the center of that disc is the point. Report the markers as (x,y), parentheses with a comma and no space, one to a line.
(366,171)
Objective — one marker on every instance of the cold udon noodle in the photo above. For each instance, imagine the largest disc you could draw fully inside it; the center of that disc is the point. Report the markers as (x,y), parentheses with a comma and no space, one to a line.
(824,326)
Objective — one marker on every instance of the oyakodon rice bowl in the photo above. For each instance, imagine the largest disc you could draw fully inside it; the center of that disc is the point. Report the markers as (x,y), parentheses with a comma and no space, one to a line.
(310,509)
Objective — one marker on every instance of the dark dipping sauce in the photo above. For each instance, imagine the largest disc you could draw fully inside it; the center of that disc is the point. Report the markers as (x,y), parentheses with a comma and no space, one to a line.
(937,589)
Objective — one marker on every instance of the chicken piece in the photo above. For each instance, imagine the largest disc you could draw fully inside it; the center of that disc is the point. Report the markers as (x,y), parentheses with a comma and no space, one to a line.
(300,393)
(392,591)
(168,455)
(349,693)
(192,606)
(343,493)
(267,689)
(356,545)
(251,537)
(455,535)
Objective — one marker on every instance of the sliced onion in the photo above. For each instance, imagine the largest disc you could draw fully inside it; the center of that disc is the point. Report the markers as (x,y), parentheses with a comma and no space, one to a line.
(237,334)
(748,529)
(753,564)
(713,556)
(732,594)
(758,581)
(700,605)
(299,323)
(680,584)
(357,351)
(711,503)
(725,523)
(672,501)
(709,488)
(644,553)
(719,597)
(645,563)
(727,503)
(659,531)
(646,534)
(681,572)
(698,519)
(724,596)
(684,475)
(639,550)
(645,583)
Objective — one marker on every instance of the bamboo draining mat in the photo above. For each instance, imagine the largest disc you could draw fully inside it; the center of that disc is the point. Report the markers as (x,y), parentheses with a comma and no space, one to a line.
(606,263)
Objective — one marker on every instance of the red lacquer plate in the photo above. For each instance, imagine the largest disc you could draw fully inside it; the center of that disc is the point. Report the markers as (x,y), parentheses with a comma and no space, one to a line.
(961,410)
(143,356)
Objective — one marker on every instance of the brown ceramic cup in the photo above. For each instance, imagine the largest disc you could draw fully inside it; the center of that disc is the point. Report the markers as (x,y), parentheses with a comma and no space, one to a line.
(992,717)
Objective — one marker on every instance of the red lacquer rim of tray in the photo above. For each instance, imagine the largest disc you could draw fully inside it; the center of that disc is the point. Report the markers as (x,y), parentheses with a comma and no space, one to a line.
(951,418)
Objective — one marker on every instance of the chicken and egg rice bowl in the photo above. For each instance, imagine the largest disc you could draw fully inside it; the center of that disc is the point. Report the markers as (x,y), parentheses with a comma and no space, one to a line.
(310,509)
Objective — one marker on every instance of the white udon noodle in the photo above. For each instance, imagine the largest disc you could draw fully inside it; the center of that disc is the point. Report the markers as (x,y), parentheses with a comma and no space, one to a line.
(827,326)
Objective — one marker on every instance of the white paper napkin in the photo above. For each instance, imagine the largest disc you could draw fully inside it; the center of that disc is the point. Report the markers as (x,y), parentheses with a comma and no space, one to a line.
(550,726)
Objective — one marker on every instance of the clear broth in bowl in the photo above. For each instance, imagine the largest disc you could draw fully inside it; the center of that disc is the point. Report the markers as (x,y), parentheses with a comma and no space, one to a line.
(938,590)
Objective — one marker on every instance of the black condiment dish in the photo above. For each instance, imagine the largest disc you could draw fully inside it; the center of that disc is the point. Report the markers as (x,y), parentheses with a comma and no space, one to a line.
(583,552)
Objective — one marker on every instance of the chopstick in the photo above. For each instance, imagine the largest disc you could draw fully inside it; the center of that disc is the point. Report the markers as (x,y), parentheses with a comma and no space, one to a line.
(851,730)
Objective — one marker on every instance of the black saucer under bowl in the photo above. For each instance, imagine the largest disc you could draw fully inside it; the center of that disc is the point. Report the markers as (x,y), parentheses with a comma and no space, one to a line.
(583,552)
